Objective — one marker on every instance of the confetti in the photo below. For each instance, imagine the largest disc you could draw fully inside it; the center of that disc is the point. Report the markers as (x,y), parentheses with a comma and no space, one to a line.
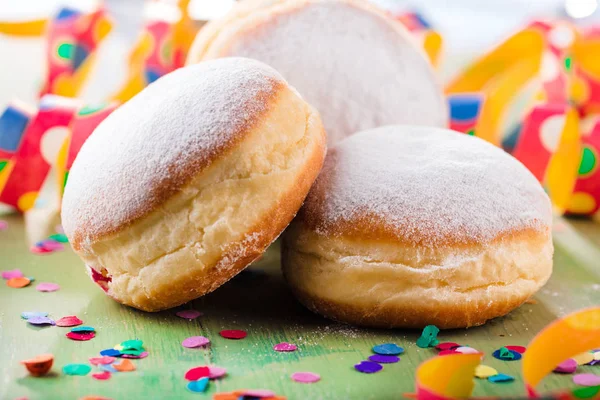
(586,379)
(447,352)
(52,245)
(124,366)
(388,349)
(368,367)
(143,354)
(69,321)
(584,358)
(40,321)
(382,359)
(198,386)
(77,369)
(506,355)
(233,334)
(518,349)
(110,353)
(195,341)
(39,250)
(566,367)
(59,237)
(466,350)
(39,365)
(586,392)
(260,393)
(107,368)
(306,377)
(216,372)
(47,287)
(102,376)
(447,346)
(132,344)
(18,283)
(501,378)
(3,225)
(81,336)
(188,314)
(31,314)
(13,273)
(102,360)
(484,371)
(196,373)
(285,346)
(83,329)
(428,337)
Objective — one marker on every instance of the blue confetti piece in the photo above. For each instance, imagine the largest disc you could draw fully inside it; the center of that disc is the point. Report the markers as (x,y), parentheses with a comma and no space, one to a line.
(388,349)
(83,329)
(198,386)
(501,378)
(107,368)
(31,314)
(110,353)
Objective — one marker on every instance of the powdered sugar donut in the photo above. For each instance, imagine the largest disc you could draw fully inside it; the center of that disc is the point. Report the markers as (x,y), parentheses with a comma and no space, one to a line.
(411,226)
(358,67)
(188,182)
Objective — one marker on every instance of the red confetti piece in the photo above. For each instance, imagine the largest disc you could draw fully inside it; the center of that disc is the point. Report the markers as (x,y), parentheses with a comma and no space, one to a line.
(47,287)
(284,346)
(447,346)
(71,320)
(102,376)
(196,373)
(81,336)
(40,365)
(447,352)
(518,349)
(102,360)
(233,334)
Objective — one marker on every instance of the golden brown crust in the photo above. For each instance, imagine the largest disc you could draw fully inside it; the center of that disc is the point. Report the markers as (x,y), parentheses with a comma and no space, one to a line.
(181,175)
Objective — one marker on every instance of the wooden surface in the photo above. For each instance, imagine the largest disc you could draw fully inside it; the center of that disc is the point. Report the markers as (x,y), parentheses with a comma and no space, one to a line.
(264,307)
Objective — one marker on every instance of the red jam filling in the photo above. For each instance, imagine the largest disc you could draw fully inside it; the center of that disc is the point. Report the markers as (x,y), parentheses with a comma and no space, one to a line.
(102,279)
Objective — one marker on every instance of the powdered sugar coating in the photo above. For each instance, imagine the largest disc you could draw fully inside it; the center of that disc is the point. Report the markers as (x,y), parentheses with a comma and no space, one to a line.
(360,69)
(154,144)
(425,185)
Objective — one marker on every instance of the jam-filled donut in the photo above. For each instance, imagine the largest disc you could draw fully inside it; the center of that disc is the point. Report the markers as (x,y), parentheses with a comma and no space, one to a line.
(410,226)
(187,183)
(359,68)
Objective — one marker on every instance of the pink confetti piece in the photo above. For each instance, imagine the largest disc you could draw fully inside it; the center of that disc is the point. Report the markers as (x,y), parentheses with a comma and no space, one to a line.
(306,377)
(102,376)
(586,379)
(284,346)
(104,360)
(466,350)
(188,314)
(47,287)
(69,321)
(195,341)
(260,393)
(216,372)
(566,367)
(14,273)
(52,245)
(3,225)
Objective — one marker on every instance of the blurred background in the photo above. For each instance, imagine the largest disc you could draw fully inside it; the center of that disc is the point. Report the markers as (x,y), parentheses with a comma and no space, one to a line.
(468,27)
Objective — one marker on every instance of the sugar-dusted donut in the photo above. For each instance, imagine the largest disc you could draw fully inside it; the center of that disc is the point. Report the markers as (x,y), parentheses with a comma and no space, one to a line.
(358,67)
(409,226)
(184,185)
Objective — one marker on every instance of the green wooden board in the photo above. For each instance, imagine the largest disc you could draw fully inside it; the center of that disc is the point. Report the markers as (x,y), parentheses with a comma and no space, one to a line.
(266,309)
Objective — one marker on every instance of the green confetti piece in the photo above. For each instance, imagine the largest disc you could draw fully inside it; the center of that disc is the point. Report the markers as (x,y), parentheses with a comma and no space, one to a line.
(134,344)
(59,237)
(586,392)
(428,337)
(506,354)
(77,369)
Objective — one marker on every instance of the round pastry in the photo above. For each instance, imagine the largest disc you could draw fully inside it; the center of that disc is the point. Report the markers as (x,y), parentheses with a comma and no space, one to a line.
(358,67)
(187,183)
(409,226)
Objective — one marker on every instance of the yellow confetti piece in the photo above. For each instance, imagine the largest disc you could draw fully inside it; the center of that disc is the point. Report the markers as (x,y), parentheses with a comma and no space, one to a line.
(584,358)
(485,371)
(597,356)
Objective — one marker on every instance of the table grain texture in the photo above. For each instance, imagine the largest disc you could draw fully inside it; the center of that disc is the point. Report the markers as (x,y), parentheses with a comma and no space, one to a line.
(264,307)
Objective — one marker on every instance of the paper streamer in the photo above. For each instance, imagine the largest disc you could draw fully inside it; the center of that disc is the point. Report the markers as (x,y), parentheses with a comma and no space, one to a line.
(451,376)
(430,40)
(162,48)
(13,122)
(585,199)
(73,38)
(35,27)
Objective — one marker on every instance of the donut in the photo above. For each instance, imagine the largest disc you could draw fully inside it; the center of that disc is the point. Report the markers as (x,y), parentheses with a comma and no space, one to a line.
(357,66)
(410,226)
(188,182)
